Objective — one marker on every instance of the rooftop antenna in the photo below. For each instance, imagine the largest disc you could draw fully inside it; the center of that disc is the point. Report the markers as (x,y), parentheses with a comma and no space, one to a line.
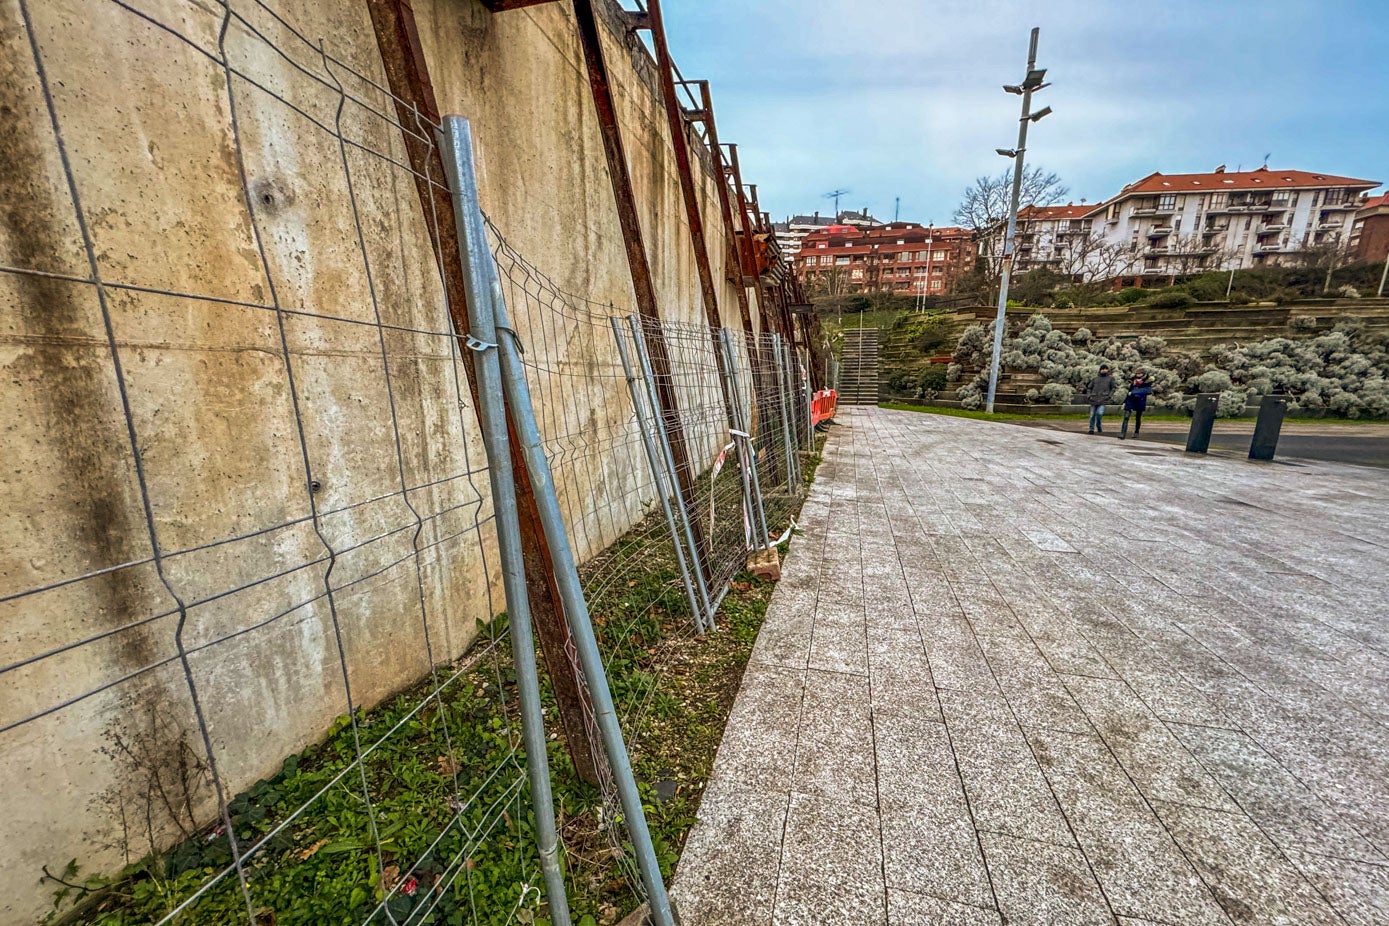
(1266,157)
(896,208)
(834,195)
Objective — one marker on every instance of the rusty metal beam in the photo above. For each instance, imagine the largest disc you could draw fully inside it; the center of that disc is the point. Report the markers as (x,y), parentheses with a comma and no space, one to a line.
(407,72)
(725,206)
(500,6)
(694,216)
(749,254)
(642,285)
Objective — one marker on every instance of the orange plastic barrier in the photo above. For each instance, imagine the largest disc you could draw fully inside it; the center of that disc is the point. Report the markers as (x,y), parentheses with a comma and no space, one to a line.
(822,405)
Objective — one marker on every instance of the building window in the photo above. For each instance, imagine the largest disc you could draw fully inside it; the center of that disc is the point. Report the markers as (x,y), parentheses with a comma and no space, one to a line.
(937,284)
(1334,197)
(1280,198)
(1167,201)
(1218,200)
(842,261)
(939,255)
(923,255)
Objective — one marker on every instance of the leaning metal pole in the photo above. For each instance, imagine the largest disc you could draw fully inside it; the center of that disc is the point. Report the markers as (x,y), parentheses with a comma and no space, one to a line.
(518,399)
(658,472)
(1012,223)
(638,330)
(456,142)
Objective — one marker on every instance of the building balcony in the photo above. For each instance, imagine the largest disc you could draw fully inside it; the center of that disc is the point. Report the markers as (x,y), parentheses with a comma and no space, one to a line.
(1269,246)
(1158,249)
(1329,226)
(1271,229)
(1154,210)
(1159,231)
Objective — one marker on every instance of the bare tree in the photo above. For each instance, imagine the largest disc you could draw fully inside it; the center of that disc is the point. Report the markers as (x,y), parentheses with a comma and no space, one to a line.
(984,208)
(1188,254)
(1087,257)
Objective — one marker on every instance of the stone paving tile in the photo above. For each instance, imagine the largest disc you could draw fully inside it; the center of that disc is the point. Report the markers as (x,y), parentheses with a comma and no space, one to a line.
(831,756)
(1039,884)
(1006,788)
(831,865)
(1141,869)
(723,872)
(929,840)
(839,647)
(1250,878)
(1292,815)
(1154,758)
(907,909)
(950,718)
(1358,891)
(762,729)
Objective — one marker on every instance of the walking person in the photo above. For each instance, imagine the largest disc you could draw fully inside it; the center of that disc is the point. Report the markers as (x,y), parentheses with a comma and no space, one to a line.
(1136,404)
(1098,392)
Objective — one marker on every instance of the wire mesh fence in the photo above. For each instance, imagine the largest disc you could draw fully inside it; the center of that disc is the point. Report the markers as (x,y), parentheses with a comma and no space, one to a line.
(226,613)
(275,675)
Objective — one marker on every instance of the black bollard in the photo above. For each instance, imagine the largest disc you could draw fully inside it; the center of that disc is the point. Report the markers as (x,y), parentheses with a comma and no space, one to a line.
(1198,439)
(1271,411)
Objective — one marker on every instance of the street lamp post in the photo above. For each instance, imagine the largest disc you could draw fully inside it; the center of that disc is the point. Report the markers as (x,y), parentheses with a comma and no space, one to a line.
(1384,274)
(1031,83)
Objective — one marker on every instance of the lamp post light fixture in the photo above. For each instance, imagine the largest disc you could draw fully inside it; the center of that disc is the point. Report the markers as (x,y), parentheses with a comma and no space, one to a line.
(1034,81)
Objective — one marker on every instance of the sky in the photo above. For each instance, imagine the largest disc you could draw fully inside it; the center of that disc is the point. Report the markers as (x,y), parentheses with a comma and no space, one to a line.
(903,98)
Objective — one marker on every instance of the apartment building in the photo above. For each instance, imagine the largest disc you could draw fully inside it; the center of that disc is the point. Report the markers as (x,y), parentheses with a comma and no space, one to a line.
(792,232)
(1172,224)
(899,257)
(1176,224)
(1369,234)
(1054,237)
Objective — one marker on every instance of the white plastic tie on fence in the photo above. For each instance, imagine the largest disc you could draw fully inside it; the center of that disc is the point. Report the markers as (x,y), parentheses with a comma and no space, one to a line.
(782,539)
(477,344)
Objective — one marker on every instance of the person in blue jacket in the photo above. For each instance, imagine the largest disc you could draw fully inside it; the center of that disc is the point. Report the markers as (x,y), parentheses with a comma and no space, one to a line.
(1136,404)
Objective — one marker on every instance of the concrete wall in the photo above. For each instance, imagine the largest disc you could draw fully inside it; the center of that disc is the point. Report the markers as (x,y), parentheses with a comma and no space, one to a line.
(156,138)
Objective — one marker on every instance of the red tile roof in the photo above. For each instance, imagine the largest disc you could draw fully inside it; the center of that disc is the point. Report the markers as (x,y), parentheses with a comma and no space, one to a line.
(1262,179)
(1374,202)
(1068,211)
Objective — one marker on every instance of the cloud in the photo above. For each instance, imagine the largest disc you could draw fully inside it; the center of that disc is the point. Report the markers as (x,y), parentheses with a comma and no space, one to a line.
(902,97)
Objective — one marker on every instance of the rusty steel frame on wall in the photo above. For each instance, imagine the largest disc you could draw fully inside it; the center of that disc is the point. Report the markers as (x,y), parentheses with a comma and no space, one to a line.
(639,266)
(705,114)
(407,73)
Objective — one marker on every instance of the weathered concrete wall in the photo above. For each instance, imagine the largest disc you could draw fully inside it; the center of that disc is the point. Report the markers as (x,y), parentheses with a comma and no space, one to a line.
(234,407)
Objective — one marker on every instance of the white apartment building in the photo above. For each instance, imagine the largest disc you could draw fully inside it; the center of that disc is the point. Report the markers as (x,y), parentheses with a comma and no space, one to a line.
(1182,223)
(1176,224)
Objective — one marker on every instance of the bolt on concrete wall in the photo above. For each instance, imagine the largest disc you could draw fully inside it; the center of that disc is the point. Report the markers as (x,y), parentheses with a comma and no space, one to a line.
(228,398)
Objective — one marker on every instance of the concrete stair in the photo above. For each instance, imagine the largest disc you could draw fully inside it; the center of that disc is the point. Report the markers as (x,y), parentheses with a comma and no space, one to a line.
(858,368)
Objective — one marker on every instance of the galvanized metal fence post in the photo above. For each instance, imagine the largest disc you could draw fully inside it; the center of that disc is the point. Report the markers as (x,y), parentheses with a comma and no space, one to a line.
(458,161)
(481,269)
(649,377)
(748,453)
(787,446)
(658,476)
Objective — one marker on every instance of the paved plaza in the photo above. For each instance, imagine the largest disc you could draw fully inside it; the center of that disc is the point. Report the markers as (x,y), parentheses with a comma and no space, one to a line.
(1020,676)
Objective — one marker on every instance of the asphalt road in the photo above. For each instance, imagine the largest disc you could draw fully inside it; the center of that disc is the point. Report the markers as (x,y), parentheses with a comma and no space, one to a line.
(1363,444)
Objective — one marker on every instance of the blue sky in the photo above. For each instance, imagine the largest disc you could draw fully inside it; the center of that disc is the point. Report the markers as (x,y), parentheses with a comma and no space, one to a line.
(903,97)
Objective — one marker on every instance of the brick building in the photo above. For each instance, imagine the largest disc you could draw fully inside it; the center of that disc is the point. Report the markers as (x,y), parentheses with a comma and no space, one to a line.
(899,257)
(1369,234)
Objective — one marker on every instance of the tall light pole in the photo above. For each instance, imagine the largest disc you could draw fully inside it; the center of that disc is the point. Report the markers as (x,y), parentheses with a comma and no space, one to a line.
(1030,84)
(1384,274)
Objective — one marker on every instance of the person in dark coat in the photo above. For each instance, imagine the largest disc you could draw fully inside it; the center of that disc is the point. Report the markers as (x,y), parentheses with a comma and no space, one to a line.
(1098,394)
(1136,404)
